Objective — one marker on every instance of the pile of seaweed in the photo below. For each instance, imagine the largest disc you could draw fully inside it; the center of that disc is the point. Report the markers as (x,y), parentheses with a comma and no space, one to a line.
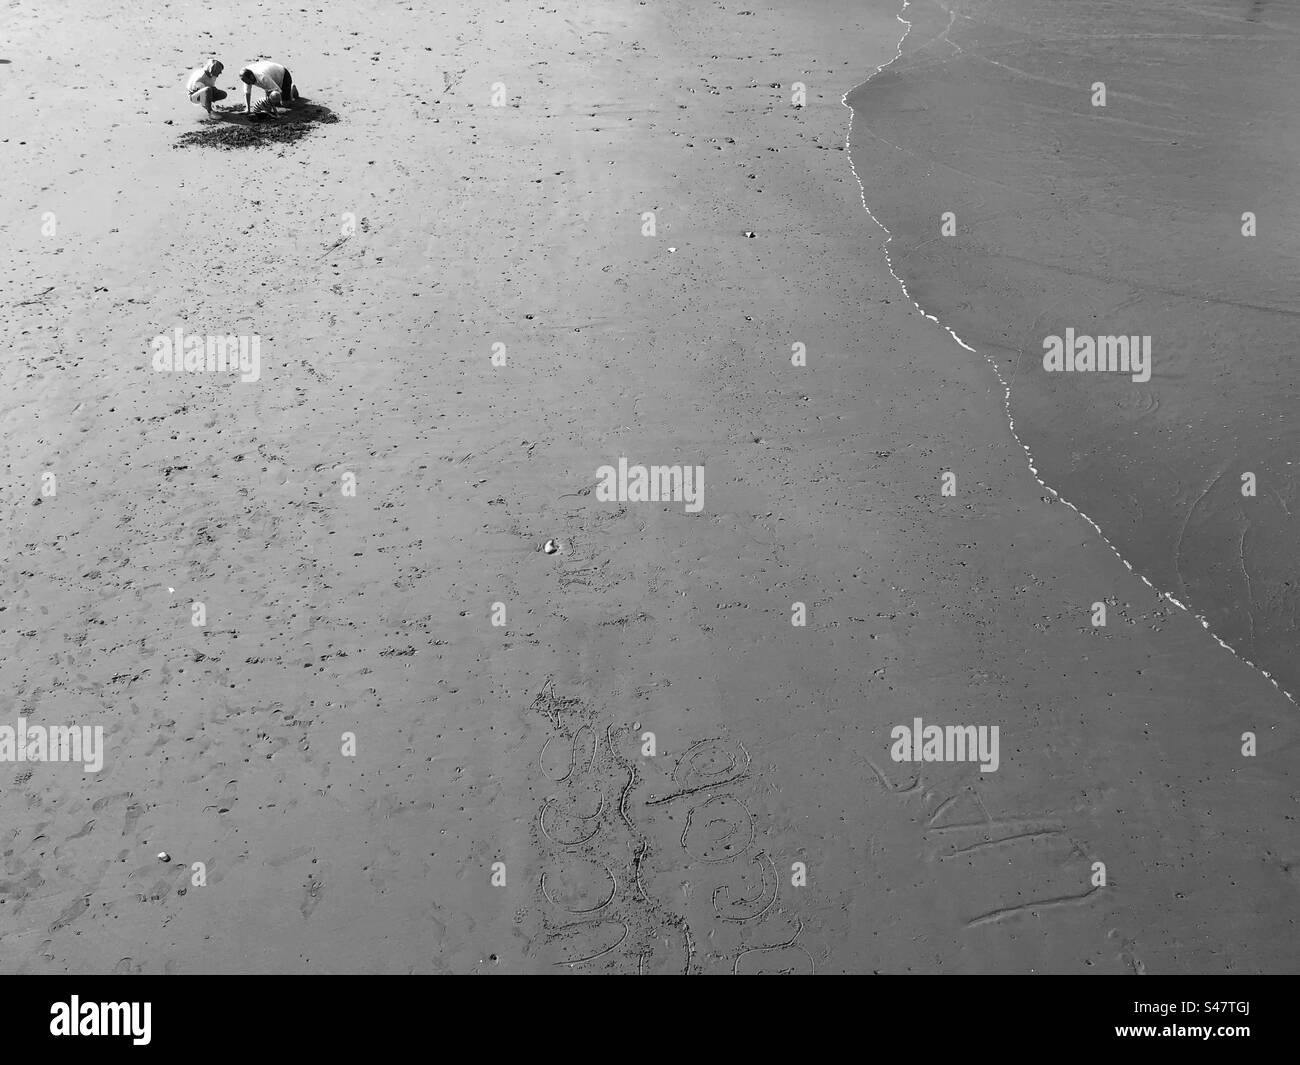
(233,129)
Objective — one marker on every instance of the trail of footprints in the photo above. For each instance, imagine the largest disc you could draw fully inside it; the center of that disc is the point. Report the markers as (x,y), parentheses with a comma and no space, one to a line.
(645,870)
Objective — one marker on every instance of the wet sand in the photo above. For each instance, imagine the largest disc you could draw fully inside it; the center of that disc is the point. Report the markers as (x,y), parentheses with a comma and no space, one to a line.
(1124,219)
(371,614)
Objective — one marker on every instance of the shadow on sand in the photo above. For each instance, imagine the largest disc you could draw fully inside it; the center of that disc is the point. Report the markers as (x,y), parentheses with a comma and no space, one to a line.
(231,128)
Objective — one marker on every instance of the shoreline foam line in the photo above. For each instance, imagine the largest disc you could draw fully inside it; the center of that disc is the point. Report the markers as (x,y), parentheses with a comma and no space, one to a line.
(1006,387)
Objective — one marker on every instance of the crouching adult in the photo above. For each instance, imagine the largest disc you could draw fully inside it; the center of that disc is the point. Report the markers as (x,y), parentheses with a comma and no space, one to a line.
(274,80)
(202,85)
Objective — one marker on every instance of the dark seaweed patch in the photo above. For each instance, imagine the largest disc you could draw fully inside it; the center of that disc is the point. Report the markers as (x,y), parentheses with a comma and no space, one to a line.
(233,129)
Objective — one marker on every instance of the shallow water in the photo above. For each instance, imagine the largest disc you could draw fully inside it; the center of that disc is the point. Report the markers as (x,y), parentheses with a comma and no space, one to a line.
(1123,219)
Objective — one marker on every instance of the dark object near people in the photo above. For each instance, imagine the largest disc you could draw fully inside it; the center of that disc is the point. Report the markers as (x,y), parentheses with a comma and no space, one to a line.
(235,130)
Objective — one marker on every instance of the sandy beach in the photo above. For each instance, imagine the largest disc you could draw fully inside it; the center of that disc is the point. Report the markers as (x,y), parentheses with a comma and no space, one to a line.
(462,314)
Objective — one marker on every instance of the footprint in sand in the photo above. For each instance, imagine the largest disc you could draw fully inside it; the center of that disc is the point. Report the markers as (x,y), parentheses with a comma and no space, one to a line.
(311,896)
(70,913)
